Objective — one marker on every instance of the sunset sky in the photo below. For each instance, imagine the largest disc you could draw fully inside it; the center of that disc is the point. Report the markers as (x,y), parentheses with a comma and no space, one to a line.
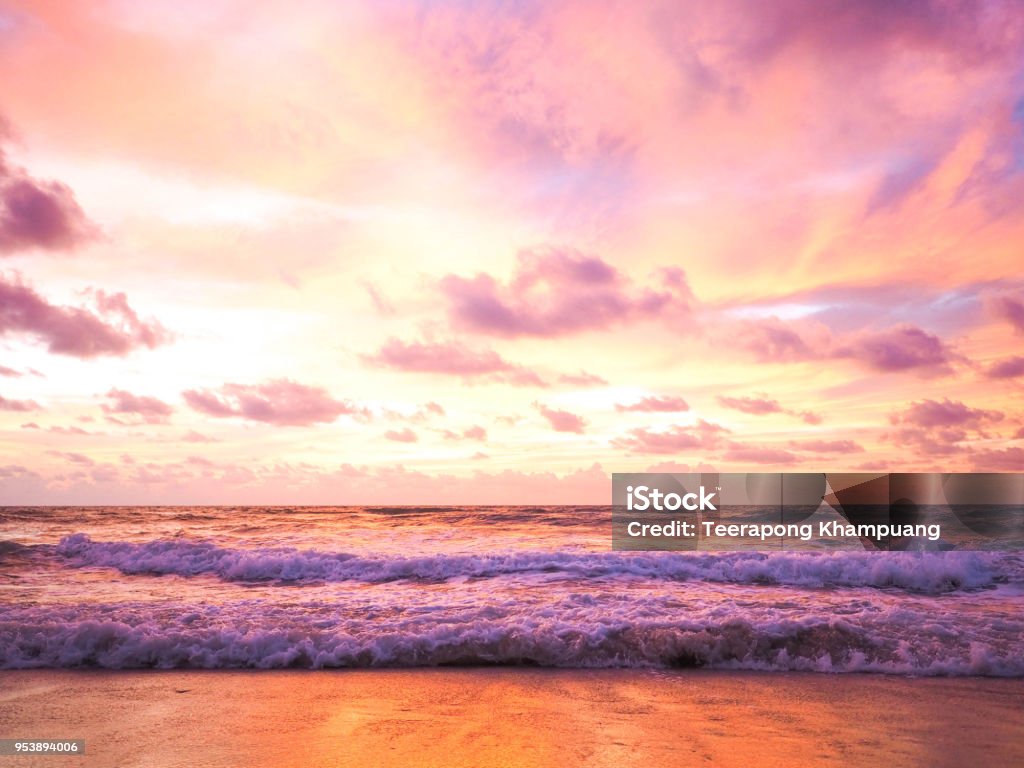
(437,252)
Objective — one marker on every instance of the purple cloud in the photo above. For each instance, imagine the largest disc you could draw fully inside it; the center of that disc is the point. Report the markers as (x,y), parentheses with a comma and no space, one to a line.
(38,214)
(1010,368)
(932,414)
(896,349)
(113,328)
(774,341)
(146,409)
(453,359)
(555,293)
(655,404)
(1008,308)
(280,401)
(837,30)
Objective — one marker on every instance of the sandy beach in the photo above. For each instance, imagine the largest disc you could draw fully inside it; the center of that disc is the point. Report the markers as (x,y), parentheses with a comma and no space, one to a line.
(512,717)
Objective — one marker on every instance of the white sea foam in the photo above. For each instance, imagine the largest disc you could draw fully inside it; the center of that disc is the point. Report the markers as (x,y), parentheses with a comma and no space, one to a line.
(573,631)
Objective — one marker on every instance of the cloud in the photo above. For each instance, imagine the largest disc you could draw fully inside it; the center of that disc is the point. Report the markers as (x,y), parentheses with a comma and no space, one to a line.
(280,401)
(932,414)
(453,359)
(149,410)
(827,446)
(405,435)
(418,415)
(676,467)
(38,214)
(196,437)
(1010,368)
(937,428)
(1008,308)
(474,432)
(380,301)
(72,430)
(772,340)
(562,421)
(655,404)
(112,328)
(897,348)
(999,460)
(676,439)
(72,457)
(762,406)
(10,372)
(582,379)
(809,417)
(557,292)
(19,405)
(928,443)
(754,455)
(757,406)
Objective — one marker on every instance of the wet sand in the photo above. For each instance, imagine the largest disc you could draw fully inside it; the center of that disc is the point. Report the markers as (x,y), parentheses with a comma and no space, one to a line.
(512,717)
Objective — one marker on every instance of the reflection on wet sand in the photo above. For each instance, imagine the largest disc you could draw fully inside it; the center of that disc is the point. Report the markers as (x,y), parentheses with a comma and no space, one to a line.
(514,717)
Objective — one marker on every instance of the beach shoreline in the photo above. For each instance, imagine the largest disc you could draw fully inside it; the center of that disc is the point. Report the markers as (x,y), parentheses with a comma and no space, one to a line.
(501,716)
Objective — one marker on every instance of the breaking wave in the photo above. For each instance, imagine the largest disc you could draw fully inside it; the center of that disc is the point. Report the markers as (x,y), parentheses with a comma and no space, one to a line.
(573,633)
(932,573)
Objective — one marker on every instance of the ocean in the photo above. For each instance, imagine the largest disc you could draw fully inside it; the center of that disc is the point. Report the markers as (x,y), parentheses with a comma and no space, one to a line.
(335,587)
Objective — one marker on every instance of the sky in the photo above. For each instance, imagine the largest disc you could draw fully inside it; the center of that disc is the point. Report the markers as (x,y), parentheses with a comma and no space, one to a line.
(427,252)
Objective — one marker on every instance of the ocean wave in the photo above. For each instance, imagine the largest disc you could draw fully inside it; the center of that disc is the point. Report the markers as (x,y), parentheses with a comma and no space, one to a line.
(924,572)
(901,641)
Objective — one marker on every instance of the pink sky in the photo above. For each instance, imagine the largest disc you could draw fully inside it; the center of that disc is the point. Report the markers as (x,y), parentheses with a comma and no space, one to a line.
(438,252)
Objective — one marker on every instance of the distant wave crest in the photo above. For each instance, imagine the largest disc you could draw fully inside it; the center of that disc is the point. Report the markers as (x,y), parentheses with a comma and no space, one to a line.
(931,573)
(904,641)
